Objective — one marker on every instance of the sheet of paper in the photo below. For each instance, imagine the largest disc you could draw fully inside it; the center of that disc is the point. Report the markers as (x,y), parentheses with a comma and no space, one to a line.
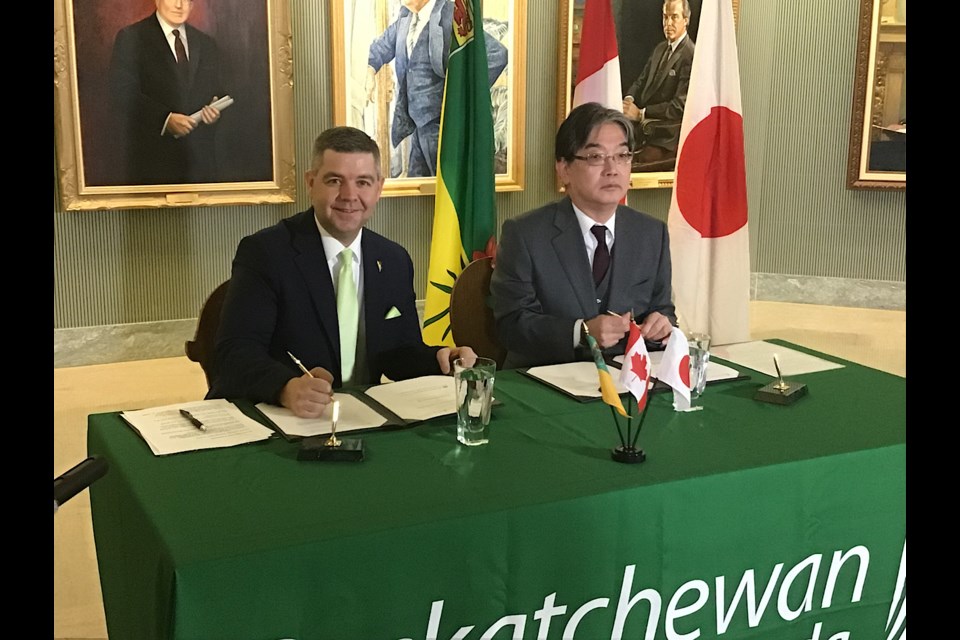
(417,398)
(166,431)
(575,378)
(758,355)
(354,414)
(715,370)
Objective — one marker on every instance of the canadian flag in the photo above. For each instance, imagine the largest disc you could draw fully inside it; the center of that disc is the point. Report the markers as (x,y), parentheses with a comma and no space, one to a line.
(635,370)
(709,245)
(674,369)
(598,72)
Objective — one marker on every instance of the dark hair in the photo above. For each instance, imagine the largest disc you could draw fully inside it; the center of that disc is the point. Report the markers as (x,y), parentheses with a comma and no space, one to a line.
(346,140)
(580,123)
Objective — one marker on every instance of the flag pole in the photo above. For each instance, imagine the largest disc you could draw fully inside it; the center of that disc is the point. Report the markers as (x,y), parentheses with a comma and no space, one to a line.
(643,416)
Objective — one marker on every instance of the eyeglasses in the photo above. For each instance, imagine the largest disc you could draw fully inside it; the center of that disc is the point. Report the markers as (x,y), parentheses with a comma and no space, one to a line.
(598,159)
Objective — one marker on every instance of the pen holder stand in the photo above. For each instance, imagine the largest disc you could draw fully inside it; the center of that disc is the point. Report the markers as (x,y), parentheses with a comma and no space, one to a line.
(781,392)
(317,448)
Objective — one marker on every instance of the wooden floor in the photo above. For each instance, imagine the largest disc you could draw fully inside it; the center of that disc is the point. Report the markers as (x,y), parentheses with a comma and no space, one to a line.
(871,337)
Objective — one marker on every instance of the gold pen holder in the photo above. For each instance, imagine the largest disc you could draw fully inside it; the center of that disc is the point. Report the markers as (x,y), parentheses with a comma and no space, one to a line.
(781,392)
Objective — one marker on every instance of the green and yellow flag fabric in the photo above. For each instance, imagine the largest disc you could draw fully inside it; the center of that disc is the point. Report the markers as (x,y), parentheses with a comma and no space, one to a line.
(608,390)
(464,218)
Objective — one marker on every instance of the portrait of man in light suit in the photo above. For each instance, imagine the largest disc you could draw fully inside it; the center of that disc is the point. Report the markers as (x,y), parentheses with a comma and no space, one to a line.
(418,43)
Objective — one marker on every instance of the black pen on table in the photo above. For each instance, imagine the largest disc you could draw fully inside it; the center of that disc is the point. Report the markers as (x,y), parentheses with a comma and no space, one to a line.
(193,420)
(299,364)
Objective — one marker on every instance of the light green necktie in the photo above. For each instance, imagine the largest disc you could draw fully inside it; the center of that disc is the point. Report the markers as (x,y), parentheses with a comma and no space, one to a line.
(347,315)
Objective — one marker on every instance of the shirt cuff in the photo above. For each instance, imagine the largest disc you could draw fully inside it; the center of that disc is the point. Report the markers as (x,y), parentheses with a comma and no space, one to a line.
(577,333)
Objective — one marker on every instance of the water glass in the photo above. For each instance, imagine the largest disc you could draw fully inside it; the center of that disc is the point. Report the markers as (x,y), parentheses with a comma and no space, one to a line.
(699,359)
(474,397)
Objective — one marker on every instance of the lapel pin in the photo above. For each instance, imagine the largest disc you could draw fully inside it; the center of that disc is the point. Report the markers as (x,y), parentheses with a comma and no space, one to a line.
(379,266)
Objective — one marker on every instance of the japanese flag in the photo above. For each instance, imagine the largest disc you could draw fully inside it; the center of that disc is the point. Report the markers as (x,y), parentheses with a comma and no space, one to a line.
(635,371)
(709,243)
(675,369)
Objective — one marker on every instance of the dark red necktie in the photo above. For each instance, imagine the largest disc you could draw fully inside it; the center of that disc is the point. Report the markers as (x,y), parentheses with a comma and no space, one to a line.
(181,50)
(601,257)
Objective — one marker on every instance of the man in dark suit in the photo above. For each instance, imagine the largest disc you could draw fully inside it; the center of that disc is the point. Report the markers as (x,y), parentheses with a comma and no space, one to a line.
(419,41)
(585,260)
(656,99)
(162,71)
(320,286)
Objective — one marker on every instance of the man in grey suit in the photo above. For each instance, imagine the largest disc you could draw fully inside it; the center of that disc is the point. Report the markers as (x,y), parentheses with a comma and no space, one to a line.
(585,260)
(419,41)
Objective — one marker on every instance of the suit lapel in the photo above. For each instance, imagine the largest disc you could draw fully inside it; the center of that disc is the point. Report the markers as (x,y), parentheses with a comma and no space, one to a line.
(312,263)
(625,247)
(572,256)
(661,72)
(373,290)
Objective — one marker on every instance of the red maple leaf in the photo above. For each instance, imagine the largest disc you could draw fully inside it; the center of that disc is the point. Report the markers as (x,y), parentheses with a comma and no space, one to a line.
(639,365)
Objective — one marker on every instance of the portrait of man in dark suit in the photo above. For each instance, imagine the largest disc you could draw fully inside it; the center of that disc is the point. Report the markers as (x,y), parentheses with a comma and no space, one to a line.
(418,43)
(656,99)
(132,97)
(163,70)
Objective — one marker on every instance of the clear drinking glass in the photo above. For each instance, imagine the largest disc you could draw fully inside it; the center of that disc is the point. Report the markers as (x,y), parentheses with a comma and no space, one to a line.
(699,359)
(474,397)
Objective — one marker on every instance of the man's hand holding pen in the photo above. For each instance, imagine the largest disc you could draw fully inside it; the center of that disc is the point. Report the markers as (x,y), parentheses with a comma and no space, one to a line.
(308,395)
(608,329)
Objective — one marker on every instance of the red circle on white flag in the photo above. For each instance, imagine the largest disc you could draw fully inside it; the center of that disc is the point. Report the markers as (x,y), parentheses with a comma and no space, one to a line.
(711,180)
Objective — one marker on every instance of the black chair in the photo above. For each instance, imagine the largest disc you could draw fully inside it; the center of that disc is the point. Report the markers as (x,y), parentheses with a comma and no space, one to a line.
(201,348)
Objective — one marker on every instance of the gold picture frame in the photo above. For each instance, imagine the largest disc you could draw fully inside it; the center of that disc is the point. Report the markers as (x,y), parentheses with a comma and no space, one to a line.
(646,31)
(877,156)
(252,149)
(357,24)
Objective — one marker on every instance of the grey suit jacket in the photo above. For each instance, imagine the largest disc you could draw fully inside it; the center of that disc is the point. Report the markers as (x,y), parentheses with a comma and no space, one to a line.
(542,283)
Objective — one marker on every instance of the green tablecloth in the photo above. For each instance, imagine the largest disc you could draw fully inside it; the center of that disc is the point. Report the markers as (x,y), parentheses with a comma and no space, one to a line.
(747,520)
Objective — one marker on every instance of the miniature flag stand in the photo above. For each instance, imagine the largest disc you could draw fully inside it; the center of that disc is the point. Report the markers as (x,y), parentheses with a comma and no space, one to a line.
(635,376)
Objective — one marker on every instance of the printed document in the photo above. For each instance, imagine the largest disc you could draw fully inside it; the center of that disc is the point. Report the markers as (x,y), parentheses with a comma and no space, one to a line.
(417,398)
(758,355)
(354,414)
(166,430)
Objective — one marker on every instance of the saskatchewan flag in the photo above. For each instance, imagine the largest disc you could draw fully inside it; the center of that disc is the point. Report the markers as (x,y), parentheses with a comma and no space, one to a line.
(608,390)
(464,218)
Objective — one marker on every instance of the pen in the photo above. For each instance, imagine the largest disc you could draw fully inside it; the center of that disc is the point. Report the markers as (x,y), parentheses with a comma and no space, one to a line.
(332,441)
(299,364)
(193,420)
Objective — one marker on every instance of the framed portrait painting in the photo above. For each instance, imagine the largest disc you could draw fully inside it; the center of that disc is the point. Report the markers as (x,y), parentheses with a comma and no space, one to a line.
(878,126)
(642,28)
(389,68)
(166,103)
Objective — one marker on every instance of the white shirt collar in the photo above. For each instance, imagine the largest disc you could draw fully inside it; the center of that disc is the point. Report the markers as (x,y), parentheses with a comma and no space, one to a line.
(332,247)
(676,43)
(168,28)
(586,222)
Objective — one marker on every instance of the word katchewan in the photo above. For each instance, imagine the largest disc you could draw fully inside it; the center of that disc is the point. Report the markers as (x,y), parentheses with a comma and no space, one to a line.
(746,592)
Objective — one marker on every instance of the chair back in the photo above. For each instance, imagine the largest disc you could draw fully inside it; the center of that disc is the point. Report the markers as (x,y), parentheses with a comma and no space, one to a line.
(471,313)
(201,348)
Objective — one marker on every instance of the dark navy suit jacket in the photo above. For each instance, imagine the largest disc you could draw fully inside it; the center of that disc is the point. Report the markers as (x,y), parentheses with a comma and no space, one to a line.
(146,87)
(281,298)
